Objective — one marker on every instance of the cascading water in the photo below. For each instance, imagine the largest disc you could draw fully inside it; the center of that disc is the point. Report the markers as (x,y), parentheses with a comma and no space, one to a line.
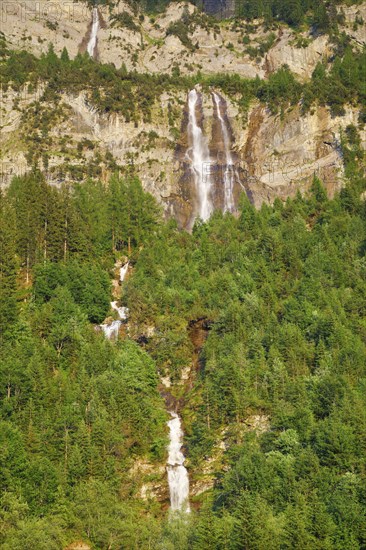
(111,331)
(93,35)
(177,474)
(230,171)
(123,272)
(199,157)
(122,311)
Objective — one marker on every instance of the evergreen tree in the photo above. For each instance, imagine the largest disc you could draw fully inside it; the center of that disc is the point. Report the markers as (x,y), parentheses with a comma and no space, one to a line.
(8,266)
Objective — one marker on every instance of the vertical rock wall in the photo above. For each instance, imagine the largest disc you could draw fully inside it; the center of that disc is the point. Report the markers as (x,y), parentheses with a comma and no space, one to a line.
(219,8)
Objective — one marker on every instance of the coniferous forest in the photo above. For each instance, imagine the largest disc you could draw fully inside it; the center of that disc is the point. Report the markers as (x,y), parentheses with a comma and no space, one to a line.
(264,308)
(283,289)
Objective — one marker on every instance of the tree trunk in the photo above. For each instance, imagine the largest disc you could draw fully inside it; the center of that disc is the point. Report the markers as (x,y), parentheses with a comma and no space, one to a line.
(27,268)
(65,241)
(45,241)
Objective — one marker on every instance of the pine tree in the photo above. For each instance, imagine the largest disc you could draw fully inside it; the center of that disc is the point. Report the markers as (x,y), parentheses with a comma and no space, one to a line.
(27,195)
(318,191)
(65,55)
(8,266)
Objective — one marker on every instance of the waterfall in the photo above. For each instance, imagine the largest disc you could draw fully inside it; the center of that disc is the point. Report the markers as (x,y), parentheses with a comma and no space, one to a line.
(230,172)
(93,35)
(111,331)
(122,311)
(177,474)
(199,157)
(123,272)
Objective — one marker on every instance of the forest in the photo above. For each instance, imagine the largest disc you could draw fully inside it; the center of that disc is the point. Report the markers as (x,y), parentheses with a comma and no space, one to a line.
(283,292)
(278,293)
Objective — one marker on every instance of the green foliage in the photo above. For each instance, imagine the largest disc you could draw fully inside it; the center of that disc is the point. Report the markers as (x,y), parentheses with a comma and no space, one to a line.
(183,27)
(287,340)
(281,89)
(319,13)
(133,214)
(88,284)
(85,221)
(8,266)
(132,95)
(78,412)
(124,19)
(264,46)
(343,84)
(267,308)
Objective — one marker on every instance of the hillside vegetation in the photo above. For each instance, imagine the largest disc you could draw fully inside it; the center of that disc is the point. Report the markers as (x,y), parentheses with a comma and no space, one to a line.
(284,291)
(254,323)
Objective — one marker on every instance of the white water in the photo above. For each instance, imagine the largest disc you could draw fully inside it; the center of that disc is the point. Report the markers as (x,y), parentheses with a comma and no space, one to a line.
(230,172)
(199,157)
(122,311)
(111,331)
(177,474)
(93,35)
(123,272)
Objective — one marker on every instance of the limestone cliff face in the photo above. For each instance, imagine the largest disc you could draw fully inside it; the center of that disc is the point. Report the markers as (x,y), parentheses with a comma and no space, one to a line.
(273,155)
(147,44)
(282,155)
(34,24)
(301,61)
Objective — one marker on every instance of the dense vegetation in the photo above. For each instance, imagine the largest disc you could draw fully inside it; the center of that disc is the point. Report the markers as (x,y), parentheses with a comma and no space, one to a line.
(323,15)
(280,291)
(75,410)
(283,290)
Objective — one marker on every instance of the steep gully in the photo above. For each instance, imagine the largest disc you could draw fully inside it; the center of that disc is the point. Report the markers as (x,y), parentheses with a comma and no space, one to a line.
(200,162)
(91,47)
(199,159)
(178,479)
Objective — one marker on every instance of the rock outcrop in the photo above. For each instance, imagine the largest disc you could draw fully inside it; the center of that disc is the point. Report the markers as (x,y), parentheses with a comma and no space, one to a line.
(275,155)
(282,154)
(300,60)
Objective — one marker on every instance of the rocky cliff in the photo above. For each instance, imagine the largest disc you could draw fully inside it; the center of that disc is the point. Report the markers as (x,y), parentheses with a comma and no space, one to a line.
(274,155)
(153,45)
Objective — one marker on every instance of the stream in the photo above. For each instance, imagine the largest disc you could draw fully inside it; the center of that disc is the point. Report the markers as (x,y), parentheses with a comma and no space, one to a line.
(178,480)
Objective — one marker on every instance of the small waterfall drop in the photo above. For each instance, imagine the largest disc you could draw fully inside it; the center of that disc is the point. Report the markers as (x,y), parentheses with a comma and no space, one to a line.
(122,311)
(111,330)
(177,474)
(230,171)
(93,34)
(123,272)
(199,156)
